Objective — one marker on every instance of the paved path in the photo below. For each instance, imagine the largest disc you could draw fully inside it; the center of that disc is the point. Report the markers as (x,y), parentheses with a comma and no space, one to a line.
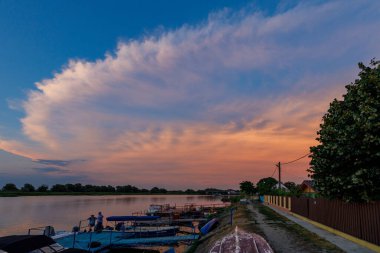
(286,236)
(344,244)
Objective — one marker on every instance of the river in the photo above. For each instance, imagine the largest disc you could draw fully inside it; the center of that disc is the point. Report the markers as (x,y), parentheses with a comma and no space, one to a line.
(18,214)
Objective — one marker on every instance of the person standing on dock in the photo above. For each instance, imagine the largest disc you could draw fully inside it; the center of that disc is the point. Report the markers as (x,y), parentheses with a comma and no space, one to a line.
(99,222)
(91,222)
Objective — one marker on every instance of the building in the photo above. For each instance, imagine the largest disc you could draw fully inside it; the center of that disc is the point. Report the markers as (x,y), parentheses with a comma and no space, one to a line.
(308,188)
(281,186)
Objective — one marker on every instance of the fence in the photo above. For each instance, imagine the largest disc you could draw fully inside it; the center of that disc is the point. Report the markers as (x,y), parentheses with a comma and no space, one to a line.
(361,220)
(281,201)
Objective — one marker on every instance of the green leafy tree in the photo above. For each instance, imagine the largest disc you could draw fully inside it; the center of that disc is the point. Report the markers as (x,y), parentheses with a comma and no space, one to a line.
(247,187)
(290,185)
(265,185)
(28,188)
(43,188)
(10,187)
(58,188)
(346,163)
(294,189)
(70,188)
(155,190)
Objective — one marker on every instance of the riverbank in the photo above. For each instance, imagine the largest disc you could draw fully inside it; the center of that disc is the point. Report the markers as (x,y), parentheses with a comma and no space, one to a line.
(282,234)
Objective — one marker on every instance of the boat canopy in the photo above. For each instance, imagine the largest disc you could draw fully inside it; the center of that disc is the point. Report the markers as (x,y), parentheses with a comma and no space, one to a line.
(132,218)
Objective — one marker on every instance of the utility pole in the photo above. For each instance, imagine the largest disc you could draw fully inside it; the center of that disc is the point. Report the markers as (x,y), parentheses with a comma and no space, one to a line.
(279,174)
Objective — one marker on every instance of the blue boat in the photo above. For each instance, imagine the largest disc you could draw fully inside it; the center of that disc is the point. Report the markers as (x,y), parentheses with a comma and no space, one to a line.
(111,239)
(209,226)
(145,232)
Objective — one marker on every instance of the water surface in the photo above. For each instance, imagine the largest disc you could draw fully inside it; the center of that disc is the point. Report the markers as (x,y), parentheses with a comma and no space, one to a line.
(18,214)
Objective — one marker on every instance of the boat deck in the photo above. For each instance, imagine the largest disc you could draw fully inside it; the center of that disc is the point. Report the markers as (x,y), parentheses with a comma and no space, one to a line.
(109,239)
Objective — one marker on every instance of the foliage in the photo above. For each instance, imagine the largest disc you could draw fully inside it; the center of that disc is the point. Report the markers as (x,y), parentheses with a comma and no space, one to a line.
(247,187)
(290,185)
(265,185)
(28,188)
(43,188)
(234,199)
(127,189)
(345,164)
(294,189)
(190,191)
(58,188)
(158,190)
(10,187)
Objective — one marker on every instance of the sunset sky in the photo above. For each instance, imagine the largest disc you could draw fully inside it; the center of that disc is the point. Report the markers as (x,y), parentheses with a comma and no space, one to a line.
(175,94)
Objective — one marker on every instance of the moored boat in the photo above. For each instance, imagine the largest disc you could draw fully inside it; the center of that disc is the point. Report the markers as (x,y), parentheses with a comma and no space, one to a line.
(33,243)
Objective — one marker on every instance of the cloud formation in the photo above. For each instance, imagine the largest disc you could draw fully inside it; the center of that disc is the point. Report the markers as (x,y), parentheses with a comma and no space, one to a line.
(49,169)
(207,105)
(55,162)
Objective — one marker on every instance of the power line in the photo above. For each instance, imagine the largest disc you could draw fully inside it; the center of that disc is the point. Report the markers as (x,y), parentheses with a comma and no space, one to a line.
(274,172)
(296,159)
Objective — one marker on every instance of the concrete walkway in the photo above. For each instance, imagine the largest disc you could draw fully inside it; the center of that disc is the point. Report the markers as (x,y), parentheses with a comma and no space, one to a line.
(344,244)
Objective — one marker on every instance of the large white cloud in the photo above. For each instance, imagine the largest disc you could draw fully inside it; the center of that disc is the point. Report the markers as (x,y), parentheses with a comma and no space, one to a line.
(240,83)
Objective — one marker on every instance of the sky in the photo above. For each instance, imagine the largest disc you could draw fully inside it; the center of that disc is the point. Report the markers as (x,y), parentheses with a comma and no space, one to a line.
(174,94)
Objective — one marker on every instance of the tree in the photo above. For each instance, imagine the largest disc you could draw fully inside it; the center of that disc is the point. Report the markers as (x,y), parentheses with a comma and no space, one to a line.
(294,189)
(70,188)
(247,187)
(10,187)
(265,185)
(290,185)
(155,190)
(346,163)
(58,188)
(43,188)
(158,190)
(28,188)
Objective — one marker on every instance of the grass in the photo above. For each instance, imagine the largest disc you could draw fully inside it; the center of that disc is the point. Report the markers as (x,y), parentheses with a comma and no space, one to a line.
(222,229)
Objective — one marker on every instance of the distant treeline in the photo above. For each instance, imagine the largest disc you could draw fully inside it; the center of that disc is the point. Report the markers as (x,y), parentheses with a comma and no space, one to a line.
(79,188)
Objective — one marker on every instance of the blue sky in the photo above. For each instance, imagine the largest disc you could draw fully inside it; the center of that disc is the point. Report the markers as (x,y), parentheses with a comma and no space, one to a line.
(151,86)
(38,38)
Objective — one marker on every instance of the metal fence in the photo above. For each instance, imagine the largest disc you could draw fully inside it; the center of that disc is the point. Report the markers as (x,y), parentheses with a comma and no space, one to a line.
(361,220)
(280,201)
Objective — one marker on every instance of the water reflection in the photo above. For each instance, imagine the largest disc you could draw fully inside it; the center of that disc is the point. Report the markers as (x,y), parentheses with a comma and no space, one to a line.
(63,212)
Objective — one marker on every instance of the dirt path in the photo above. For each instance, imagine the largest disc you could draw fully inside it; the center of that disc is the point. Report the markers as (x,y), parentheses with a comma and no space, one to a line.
(286,236)
(282,234)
